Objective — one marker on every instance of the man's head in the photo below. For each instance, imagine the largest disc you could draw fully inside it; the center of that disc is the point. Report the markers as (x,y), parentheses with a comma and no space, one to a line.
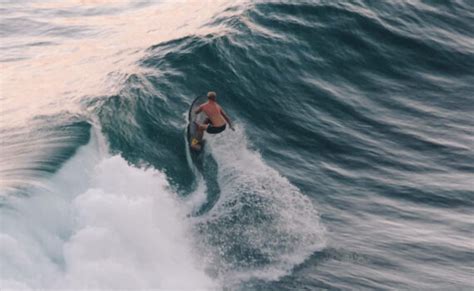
(211,95)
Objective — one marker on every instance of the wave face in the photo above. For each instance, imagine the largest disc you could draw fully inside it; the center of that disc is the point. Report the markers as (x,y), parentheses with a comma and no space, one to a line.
(351,165)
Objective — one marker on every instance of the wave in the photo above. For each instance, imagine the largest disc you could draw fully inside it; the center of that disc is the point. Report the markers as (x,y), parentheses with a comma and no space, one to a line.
(342,109)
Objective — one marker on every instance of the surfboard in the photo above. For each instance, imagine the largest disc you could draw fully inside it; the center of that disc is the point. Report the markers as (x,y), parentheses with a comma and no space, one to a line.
(195,142)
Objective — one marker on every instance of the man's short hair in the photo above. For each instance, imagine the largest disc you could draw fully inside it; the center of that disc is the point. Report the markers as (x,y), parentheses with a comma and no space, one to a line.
(211,95)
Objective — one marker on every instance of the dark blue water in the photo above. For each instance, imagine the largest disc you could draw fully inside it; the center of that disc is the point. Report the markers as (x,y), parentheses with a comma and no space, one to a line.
(351,167)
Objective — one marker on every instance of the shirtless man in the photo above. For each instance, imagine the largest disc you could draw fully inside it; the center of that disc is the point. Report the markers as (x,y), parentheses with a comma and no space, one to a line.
(216,118)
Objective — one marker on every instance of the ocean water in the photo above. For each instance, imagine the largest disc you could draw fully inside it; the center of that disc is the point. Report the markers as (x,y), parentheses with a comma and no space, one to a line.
(351,167)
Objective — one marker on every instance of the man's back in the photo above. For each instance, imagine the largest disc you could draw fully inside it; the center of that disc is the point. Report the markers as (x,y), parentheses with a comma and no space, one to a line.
(214,113)
(217,119)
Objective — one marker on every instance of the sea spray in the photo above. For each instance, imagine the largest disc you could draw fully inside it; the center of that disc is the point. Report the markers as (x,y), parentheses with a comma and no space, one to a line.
(262,225)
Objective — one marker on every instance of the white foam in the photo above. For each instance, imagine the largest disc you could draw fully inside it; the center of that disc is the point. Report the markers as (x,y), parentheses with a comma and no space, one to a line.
(101,224)
(262,225)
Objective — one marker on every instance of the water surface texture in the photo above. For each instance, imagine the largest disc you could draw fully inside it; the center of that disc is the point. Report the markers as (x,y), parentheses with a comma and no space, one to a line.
(351,167)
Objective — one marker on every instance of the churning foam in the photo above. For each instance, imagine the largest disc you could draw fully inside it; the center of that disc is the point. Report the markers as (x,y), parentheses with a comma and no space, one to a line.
(99,223)
(262,225)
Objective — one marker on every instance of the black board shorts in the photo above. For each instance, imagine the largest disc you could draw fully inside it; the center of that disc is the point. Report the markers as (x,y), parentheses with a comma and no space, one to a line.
(213,130)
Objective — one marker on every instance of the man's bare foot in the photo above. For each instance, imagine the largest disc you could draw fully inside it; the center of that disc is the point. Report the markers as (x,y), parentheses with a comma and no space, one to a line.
(196,144)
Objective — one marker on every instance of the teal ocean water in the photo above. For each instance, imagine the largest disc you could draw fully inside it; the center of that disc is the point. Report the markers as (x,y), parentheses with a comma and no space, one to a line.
(351,167)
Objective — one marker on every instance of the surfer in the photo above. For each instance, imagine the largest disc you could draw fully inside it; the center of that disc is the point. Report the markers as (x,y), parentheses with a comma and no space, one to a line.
(216,120)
